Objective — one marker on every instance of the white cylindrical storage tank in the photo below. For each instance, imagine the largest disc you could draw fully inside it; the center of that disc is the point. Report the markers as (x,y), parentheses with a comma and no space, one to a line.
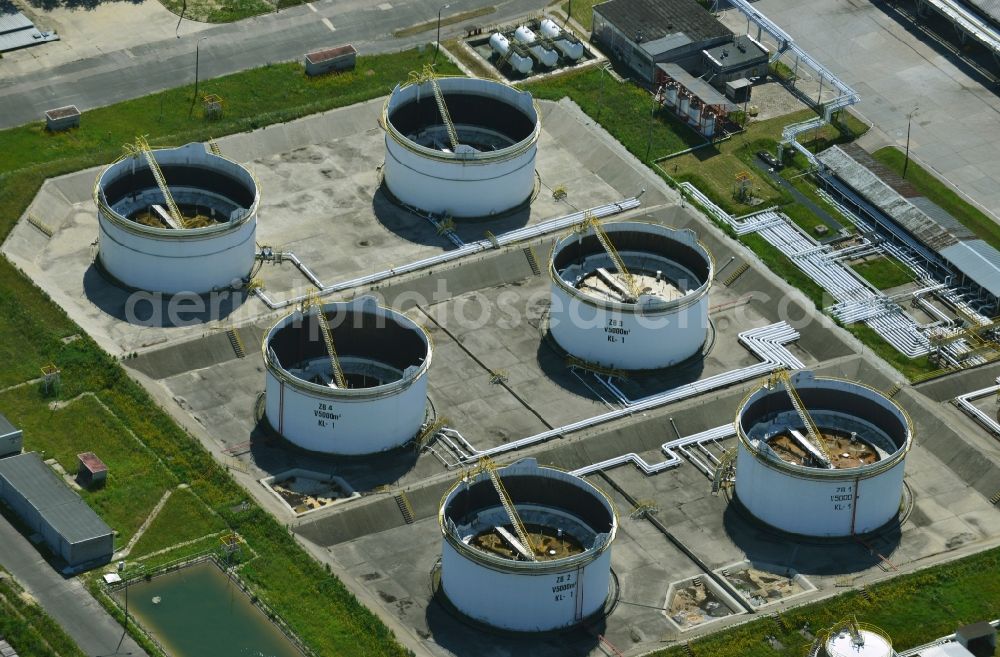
(544,55)
(708,124)
(858,640)
(500,45)
(488,575)
(492,170)
(570,47)
(781,482)
(671,94)
(682,104)
(595,316)
(384,357)
(142,246)
(694,111)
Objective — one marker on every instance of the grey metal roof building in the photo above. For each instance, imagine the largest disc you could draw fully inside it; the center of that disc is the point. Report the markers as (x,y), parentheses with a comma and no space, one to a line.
(642,33)
(48,506)
(17,31)
(933,228)
(10,438)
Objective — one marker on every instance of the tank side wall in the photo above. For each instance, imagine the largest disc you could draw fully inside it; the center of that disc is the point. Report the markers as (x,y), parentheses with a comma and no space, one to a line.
(527,603)
(177,265)
(344,426)
(458,188)
(816,507)
(626,340)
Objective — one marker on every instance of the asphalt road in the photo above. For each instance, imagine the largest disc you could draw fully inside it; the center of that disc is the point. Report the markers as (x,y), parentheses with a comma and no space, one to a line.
(232,47)
(66,600)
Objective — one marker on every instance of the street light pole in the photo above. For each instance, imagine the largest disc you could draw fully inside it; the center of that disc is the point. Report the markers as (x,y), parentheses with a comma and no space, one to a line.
(197,56)
(649,142)
(906,160)
(121,569)
(437,41)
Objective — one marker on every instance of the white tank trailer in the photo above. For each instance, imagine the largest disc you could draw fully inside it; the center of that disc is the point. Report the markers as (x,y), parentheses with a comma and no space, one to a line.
(384,356)
(571,525)
(493,168)
(571,47)
(593,318)
(782,483)
(545,56)
(501,45)
(143,247)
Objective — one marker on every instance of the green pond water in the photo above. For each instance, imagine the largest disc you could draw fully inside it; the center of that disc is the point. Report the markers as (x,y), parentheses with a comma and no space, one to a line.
(201,613)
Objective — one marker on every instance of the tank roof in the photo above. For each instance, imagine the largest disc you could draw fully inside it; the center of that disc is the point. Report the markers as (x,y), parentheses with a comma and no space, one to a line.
(365,335)
(210,191)
(863,429)
(569,517)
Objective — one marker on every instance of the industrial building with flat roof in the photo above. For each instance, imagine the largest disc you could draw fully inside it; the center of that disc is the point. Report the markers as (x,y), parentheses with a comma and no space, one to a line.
(10,438)
(47,506)
(743,57)
(943,240)
(643,33)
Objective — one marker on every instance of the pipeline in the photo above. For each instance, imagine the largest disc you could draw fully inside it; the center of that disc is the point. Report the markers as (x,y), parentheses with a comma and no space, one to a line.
(510,237)
(766,342)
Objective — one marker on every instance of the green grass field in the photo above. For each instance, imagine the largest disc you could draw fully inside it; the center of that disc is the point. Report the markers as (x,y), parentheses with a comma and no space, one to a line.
(27,628)
(884,272)
(183,518)
(912,609)
(969,215)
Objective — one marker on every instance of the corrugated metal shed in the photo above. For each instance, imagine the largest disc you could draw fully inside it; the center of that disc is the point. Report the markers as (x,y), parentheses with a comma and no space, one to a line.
(703,90)
(880,194)
(655,19)
(942,217)
(14,21)
(62,508)
(926,221)
(17,31)
(977,260)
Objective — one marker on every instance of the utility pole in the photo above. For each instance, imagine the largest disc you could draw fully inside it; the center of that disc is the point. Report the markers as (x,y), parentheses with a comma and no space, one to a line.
(437,41)
(197,54)
(909,119)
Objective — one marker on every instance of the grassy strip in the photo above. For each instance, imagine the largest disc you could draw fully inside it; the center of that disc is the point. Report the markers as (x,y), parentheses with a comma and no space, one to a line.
(330,619)
(451,19)
(223,11)
(183,518)
(911,368)
(913,609)
(27,628)
(627,110)
(582,11)
(969,215)
(884,272)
